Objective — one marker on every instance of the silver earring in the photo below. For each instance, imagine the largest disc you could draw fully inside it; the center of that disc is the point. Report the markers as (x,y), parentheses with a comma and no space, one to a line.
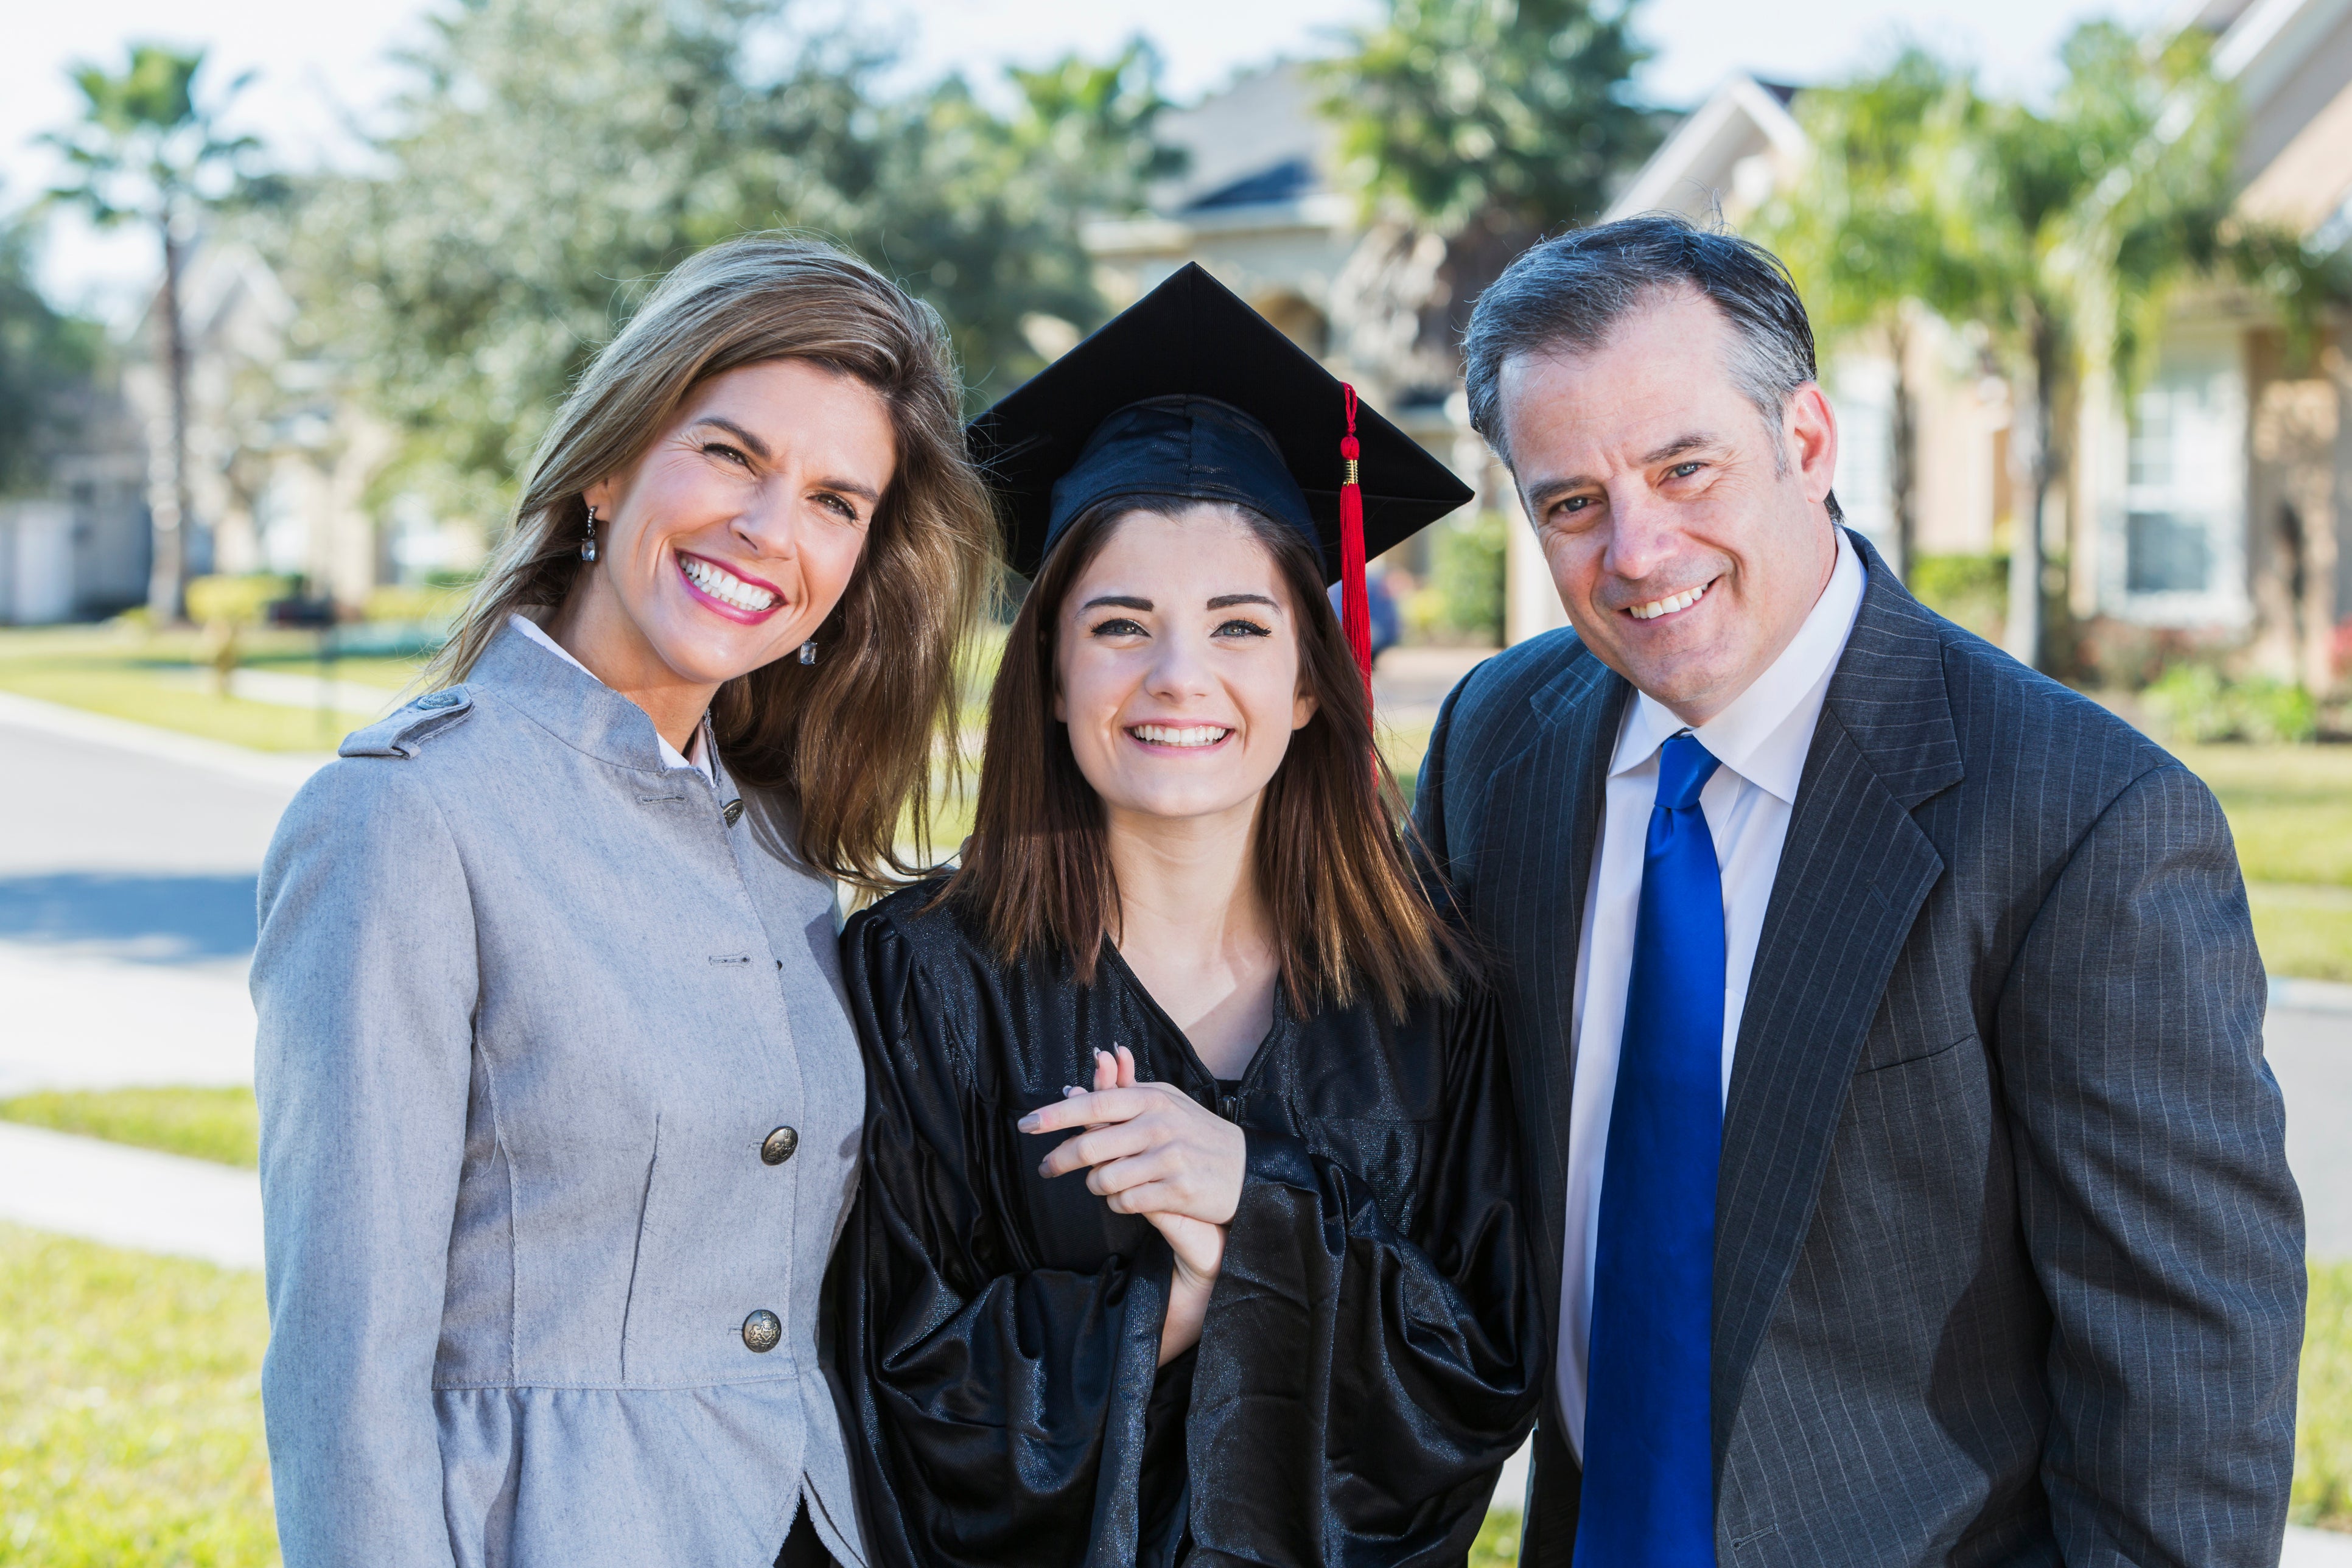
(808,651)
(588,545)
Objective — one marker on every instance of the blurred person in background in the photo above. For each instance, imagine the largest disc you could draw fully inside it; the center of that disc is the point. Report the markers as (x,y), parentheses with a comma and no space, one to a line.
(560,1097)
(1886,1017)
(1380,608)
(1191,1225)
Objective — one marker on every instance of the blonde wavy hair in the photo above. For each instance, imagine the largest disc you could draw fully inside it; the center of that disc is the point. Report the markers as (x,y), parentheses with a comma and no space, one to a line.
(847,744)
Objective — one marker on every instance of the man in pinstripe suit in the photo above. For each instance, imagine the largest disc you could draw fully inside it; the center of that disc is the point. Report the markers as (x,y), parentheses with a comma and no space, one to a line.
(2007,1266)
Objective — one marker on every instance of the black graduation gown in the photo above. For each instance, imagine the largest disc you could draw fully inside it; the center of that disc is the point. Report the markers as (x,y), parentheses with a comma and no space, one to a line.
(1372,1354)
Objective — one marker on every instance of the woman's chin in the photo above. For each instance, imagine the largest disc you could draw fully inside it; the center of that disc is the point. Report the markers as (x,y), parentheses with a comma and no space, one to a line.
(708,659)
(1148,809)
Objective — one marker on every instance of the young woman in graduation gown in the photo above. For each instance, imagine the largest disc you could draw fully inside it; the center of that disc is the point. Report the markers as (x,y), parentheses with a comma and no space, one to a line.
(1190,1228)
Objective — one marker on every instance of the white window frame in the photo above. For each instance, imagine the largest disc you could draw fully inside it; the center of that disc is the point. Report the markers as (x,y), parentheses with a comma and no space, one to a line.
(2205,476)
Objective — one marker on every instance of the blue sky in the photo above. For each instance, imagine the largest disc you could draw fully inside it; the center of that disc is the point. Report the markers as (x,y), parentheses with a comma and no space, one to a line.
(318,65)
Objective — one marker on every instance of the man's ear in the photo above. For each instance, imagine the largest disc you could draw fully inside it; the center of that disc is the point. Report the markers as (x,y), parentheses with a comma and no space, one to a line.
(1810,434)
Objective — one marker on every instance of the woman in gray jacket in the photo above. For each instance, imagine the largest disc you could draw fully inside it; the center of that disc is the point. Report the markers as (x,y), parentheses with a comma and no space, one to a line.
(559,1101)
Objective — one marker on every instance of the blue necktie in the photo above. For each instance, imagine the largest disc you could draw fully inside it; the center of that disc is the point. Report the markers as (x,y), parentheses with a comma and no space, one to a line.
(1649,1485)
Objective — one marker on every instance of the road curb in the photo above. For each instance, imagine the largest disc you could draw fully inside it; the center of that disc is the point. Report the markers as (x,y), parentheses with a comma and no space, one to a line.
(2310,995)
(286,770)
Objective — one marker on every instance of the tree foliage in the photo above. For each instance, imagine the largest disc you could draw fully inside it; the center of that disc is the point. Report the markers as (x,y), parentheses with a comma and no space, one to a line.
(146,148)
(551,158)
(45,356)
(1507,113)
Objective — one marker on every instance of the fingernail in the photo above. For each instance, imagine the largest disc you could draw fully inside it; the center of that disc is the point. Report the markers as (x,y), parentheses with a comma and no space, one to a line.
(1028,1123)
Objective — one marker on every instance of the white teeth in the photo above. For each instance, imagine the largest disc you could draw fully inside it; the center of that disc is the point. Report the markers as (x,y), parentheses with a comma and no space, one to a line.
(1174,735)
(724,585)
(1656,607)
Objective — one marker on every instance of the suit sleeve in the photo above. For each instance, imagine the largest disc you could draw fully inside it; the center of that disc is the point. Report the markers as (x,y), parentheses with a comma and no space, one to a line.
(1361,1380)
(999,1414)
(363,983)
(2158,1212)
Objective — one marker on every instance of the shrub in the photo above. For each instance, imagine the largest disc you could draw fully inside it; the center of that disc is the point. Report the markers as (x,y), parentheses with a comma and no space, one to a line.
(1466,572)
(1972,590)
(235,601)
(2191,704)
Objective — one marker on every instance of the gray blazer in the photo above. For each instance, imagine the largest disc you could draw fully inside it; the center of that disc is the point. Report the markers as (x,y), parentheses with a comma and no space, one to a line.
(533,1011)
(2007,1264)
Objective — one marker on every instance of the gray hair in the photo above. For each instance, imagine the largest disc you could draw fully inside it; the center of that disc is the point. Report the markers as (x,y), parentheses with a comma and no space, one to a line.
(1568,292)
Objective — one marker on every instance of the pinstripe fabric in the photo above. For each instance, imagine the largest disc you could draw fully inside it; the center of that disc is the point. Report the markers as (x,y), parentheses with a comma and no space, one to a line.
(2009,1267)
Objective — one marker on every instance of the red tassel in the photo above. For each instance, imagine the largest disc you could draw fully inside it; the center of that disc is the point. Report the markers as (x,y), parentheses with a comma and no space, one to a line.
(1355,599)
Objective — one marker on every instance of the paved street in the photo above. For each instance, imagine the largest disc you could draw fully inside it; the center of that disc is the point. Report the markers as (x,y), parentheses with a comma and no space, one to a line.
(127,866)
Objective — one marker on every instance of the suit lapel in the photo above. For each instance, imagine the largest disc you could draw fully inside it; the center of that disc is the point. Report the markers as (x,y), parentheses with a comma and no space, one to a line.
(1548,799)
(1853,873)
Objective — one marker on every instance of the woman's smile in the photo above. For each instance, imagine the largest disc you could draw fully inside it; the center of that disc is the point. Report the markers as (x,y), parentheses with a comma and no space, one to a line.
(1179,737)
(729,594)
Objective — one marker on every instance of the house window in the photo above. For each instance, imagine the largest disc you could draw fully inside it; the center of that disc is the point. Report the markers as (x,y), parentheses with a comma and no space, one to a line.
(1863,392)
(2184,491)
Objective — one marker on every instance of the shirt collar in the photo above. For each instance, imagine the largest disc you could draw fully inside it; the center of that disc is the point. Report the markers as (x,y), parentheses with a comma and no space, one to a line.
(670,755)
(1765,733)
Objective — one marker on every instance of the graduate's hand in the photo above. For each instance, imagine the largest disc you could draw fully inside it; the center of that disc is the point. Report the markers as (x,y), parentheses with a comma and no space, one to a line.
(1153,1148)
(1198,1247)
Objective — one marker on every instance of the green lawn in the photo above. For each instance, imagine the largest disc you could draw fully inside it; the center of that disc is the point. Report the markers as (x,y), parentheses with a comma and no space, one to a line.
(2290,809)
(204,1124)
(1497,1545)
(130,1410)
(160,680)
(2322,1434)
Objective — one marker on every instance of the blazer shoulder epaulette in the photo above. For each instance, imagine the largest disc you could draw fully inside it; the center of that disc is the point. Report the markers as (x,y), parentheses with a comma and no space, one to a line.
(403,732)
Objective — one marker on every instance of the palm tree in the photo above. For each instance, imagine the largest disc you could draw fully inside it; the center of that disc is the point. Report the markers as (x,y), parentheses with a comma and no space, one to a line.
(2086,217)
(1868,231)
(145,152)
(2061,231)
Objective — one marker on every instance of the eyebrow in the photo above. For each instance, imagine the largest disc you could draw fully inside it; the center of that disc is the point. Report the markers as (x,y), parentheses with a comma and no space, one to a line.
(760,450)
(1541,495)
(1227,601)
(1680,445)
(1117,602)
(759,447)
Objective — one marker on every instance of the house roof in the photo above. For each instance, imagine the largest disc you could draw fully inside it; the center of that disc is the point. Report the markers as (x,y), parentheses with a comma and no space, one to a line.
(1257,141)
(1707,154)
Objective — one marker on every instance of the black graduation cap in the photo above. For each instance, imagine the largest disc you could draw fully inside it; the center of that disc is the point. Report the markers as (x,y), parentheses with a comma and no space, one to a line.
(1189,392)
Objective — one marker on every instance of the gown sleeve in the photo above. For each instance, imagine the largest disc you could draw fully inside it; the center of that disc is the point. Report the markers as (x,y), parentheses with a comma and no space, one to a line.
(999,1411)
(1359,1383)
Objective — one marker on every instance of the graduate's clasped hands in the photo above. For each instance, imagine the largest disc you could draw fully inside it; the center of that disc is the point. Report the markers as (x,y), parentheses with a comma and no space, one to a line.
(1150,1149)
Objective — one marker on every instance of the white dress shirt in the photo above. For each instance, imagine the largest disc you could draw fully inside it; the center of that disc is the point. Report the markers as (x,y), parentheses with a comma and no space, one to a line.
(696,757)
(1761,740)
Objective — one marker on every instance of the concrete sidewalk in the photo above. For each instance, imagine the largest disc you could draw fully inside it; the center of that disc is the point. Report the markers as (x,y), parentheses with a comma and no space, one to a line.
(129,1198)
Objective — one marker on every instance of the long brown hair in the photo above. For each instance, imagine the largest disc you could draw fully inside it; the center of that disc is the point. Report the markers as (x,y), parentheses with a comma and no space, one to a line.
(847,744)
(1348,913)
